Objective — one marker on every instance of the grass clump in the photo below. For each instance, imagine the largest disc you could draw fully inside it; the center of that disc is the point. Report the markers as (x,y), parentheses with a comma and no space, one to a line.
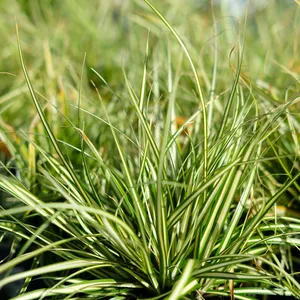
(114,198)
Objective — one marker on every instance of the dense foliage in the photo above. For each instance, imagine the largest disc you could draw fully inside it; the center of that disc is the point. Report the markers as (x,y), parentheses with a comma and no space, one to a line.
(150,151)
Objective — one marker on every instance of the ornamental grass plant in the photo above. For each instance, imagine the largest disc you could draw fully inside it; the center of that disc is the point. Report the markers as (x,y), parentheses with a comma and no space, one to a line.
(158,161)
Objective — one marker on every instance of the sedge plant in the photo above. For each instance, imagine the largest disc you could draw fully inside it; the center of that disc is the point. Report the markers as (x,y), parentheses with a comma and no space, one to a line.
(160,210)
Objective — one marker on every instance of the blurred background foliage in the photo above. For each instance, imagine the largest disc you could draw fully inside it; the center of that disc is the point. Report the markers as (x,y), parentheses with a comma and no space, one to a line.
(56,34)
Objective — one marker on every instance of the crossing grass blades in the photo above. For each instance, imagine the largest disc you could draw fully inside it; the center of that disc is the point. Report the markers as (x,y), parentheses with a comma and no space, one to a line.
(183,218)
